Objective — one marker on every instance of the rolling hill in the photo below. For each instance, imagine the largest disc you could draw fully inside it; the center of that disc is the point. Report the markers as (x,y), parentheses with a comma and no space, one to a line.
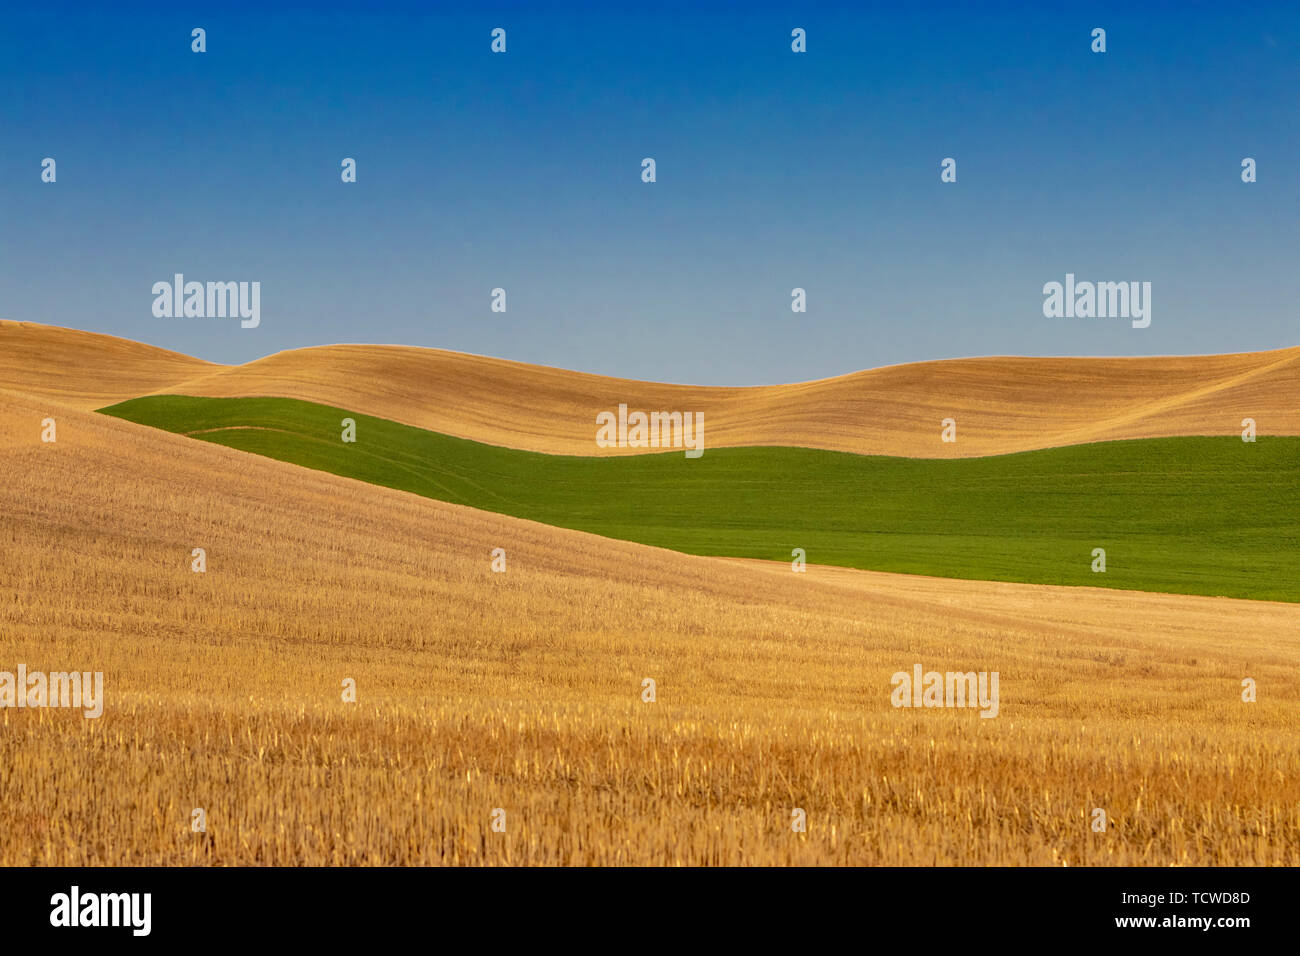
(84,369)
(1001,405)
(522,689)
(1185,515)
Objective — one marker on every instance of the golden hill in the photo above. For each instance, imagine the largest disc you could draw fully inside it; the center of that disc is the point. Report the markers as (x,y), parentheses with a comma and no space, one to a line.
(85,369)
(1000,404)
(522,690)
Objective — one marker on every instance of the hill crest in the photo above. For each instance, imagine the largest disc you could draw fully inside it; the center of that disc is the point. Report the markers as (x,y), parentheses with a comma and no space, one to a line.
(1000,404)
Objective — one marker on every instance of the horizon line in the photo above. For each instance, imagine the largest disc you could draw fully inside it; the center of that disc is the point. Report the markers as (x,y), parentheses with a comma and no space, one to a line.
(570,371)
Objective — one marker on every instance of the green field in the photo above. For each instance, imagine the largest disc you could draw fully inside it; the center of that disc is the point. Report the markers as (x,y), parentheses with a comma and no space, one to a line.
(1184,515)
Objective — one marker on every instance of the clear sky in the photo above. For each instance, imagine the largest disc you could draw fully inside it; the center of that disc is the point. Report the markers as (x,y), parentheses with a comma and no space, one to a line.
(522,170)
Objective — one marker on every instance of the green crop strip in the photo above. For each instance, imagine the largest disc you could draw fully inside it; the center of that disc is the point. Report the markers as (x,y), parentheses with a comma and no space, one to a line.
(1183,515)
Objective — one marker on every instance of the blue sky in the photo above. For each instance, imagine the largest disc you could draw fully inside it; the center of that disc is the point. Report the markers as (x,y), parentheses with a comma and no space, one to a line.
(775,170)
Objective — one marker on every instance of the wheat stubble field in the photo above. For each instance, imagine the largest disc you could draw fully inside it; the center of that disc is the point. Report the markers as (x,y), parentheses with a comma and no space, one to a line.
(522,690)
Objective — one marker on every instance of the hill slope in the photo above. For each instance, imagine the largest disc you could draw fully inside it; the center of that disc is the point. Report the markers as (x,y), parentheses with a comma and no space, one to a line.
(1000,404)
(85,369)
(1190,515)
(522,690)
